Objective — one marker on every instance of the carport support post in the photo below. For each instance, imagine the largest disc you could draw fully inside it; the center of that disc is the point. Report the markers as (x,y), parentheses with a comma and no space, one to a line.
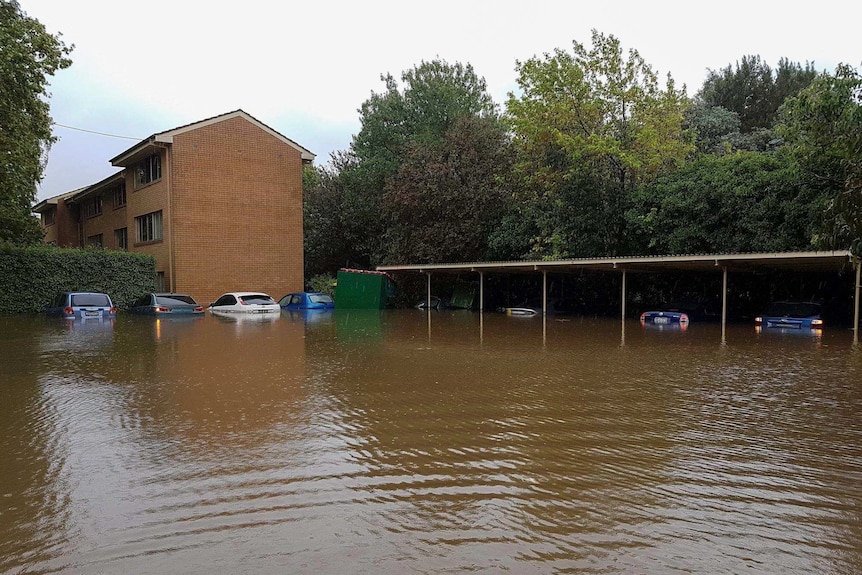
(856,303)
(428,296)
(724,305)
(481,291)
(544,292)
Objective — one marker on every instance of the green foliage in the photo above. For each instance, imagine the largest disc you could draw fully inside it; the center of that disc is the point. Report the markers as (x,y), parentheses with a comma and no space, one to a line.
(447,197)
(345,221)
(823,129)
(741,202)
(28,55)
(593,126)
(31,276)
(324,283)
(753,90)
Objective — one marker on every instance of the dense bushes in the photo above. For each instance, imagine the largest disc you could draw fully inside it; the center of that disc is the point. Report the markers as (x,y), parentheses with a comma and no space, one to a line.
(31,277)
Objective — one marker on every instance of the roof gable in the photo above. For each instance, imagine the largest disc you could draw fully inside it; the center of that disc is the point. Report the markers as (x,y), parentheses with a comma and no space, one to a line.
(168,136)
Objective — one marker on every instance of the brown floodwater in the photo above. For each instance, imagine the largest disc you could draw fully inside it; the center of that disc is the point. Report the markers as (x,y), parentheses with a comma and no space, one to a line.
(402,442)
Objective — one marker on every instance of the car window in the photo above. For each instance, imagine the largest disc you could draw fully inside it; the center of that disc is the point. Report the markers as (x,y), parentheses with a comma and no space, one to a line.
(90,299)
(225,300)
(257,299)
(793,309)
(175,299)
(320,298)
(296,299)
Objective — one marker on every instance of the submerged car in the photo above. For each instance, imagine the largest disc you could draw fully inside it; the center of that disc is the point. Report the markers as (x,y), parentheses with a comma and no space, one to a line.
(166,303)
(436,303)
(791,315)
(82,305)
(306,300)
(245,302)
(664,317)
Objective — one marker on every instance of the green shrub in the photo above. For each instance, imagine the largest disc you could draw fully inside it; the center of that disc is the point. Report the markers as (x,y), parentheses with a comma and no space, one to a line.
(323,284)
(31,277)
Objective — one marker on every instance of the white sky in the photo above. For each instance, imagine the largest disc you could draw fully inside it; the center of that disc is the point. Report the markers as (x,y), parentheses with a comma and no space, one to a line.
(304,68)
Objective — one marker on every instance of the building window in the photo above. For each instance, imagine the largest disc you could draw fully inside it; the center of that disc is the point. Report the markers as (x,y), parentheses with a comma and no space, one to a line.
(93,207)
(160,281)
(149,227)
(120,195)
(122,238)
(95,241)
(149,170)
(49,216)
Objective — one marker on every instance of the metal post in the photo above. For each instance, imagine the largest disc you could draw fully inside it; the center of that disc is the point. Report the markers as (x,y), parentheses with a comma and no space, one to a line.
(428,297)
(623,314)
(481,291)
(856,303)
(724,306)
(624,297)
(544,292)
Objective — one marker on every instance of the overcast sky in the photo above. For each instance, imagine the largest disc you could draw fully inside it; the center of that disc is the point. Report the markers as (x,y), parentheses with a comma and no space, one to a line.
(304,68)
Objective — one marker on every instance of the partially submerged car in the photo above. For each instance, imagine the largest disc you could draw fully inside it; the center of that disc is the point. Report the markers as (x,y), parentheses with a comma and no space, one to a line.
(82,305)
(166,304)
(244,303)
(436,303)
(306,300)
(664,317)
(791,315)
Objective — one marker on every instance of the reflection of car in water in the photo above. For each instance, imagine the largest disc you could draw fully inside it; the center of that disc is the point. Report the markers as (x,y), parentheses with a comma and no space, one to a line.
(791,316)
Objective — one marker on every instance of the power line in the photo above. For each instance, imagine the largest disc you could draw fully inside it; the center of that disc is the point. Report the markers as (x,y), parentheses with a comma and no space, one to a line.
(95,132)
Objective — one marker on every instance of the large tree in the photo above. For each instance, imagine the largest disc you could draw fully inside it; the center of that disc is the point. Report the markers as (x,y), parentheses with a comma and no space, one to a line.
(28,56)
(822,126)
(753,90)
(397,125)
(740,202)
(592,124)
(447,197)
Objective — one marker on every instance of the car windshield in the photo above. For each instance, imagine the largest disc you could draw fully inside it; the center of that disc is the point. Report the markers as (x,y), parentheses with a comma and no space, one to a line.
(175,299)
(793,309)
(320,298)
(88,299)
(257,299)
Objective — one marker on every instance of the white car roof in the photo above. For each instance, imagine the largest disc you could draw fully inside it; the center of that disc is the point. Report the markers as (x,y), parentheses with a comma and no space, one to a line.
(245,293)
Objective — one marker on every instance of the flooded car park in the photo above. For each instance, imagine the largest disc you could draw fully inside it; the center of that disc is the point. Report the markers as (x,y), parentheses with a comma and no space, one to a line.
(398,441)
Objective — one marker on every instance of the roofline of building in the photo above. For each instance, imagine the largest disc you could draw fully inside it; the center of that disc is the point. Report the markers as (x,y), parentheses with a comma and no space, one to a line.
(166,137)
(54,200)
(99,186)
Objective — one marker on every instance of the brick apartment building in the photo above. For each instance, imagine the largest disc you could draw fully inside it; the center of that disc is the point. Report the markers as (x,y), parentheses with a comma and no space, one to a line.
(217,203)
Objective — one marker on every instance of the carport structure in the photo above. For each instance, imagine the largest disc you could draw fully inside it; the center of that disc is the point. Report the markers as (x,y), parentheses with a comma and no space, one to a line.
(803,261)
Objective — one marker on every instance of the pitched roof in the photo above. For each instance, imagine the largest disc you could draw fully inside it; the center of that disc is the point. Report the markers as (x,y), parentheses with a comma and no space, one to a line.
(168,135)
(54,200)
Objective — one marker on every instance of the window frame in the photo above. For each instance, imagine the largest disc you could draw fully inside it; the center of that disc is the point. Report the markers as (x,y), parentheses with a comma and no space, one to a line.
(149,228)
(148,170)
(120,196)
(121,237)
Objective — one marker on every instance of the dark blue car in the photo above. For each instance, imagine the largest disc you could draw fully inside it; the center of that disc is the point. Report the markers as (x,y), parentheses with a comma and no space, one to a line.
(306,300)
(791,315)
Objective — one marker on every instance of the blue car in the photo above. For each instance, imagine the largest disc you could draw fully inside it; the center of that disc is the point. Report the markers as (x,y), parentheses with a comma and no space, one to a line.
(82,305)
(166,304)
(791,316)
(306,300)
(679,318)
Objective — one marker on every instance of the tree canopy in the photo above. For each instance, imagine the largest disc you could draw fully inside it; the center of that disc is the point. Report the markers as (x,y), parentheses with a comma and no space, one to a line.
(592,124)
(28,56)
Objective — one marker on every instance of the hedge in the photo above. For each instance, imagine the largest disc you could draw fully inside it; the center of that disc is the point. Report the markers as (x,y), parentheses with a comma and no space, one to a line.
(31,277)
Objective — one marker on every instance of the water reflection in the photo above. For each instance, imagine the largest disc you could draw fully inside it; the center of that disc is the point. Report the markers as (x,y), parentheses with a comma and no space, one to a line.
(380,442)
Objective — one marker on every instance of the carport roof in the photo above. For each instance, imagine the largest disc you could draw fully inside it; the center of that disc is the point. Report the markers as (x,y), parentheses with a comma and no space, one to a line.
(791,261)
